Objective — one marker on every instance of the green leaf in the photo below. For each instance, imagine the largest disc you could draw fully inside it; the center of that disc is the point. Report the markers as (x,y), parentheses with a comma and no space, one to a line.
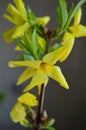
(34,42)
(27,43)
(48,128)
(54,47)
(62,15)
(40,30)
(24,57)
(22,46)
(71,15)
(59,18)
(71,10)
(31,16)
(51,122)
(27,124)
(63,3)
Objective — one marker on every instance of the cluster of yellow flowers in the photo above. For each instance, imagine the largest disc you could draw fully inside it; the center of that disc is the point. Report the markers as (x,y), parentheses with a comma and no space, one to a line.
(39,69)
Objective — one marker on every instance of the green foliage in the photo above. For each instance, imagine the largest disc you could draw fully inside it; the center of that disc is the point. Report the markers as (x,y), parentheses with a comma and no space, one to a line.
(63,3)
(48,128)
(72,12)
(27,124)
(35,43)
(25,57)
(51,122)
(65,17)
(55,46)
(62,14)
(31,16)
(28,46)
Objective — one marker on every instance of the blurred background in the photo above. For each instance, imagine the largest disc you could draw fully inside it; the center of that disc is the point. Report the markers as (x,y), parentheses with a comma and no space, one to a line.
(68,107)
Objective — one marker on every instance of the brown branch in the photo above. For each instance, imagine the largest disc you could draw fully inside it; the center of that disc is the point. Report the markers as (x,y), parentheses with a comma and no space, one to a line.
(38,123)
(40,108)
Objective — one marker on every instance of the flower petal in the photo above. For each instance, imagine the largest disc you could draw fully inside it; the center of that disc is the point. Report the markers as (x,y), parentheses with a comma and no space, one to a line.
(14,14)
(67,53)
(67,39)
(38,78)
(28,73)
(28,99)
(17,48)
(10,19)
(16,113)
(43,20)
(8,35)
(32,64)
(21,7)
(57,75)
(77,17)
(20,30)
(80,31)
(53,57)
(39,86)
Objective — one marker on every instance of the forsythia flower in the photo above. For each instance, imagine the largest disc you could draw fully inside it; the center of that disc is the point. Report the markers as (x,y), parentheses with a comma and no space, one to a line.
(40,70)
(75,31)
(18,16)
(18,109)
(28,99)
(16,113)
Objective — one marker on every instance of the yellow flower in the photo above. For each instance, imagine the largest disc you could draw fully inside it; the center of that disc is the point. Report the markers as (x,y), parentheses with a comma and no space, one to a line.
(18,112)
(43,20)
(28,99)
(75,31)
(17,15)
(40,70)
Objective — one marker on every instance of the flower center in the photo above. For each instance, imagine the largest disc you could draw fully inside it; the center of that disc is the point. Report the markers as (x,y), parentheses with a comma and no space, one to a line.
(44,67)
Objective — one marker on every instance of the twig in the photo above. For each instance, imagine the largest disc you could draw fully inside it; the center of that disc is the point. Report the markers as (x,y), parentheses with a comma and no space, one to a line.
(40,108)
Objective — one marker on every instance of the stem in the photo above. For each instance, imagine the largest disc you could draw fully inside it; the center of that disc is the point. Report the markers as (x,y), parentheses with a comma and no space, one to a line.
(41,100)
(48,37)
(48,46)
(40,108)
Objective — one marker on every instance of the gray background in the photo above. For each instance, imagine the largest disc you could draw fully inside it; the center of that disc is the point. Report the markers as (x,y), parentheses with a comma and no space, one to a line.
(68,107)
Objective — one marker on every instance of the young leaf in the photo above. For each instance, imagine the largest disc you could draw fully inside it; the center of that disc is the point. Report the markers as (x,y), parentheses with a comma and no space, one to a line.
(63,3)
(27,124)
(62,14)
(27,43)
(71,15)
(51,122)
(71,10)
(59,18)
(22,46)
(34,42)
(31,16)
(48,128)
(54,47)
(24,57)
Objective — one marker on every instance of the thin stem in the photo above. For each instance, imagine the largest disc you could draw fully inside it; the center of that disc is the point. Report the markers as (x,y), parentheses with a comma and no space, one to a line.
(48,46)
(41,100)
(40,108)
(48,37)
